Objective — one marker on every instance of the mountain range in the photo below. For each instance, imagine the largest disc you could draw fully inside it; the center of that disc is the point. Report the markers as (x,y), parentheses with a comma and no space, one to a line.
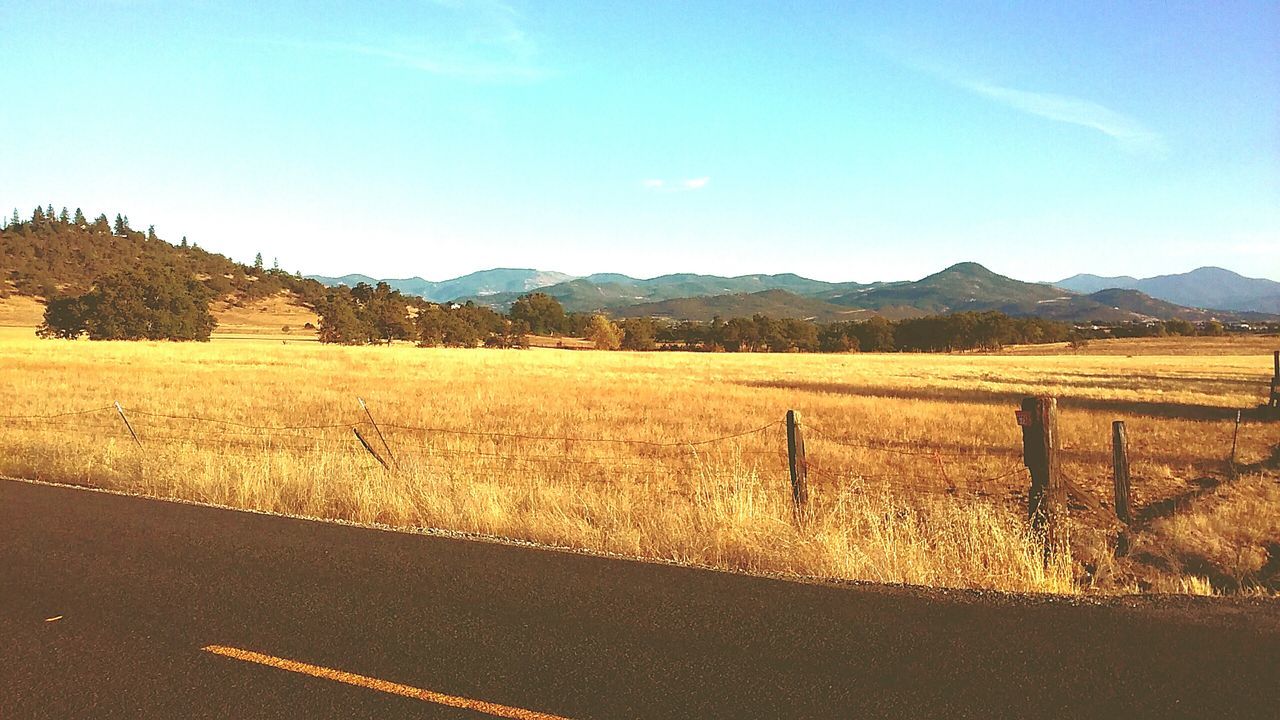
(962,287)
(477,284)
(1206,287)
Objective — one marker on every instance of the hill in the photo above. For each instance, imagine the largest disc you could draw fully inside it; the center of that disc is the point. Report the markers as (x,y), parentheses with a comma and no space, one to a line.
(965,287)
(961,287)
(1088,283)
(46,257)
(611,291)
(1206,287)
(477,284)
(773,303)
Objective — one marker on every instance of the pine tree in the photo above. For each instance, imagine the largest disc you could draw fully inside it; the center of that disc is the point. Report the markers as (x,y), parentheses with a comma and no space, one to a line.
(17,219)
(80,219)
(151,233)
(64,217)
(49,214)
(126,223)
(257,262)
(119,226)
(37,217)
(184,241)
(275,263)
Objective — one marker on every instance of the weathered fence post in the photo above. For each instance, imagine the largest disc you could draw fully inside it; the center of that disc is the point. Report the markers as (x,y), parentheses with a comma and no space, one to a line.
(127,424)
(1120,467)
(1235,438)
(377,429)
(1047,498)
(1275,380)
(370,449)
(799,467)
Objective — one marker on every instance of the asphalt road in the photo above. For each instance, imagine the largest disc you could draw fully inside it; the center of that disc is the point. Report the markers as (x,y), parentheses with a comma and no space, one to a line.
(142,586)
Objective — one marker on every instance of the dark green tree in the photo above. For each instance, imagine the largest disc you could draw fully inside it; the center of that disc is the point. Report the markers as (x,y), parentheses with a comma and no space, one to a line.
(542,313)
(153,303)
(80,219)
(257,262)
(64,318)
(639,334)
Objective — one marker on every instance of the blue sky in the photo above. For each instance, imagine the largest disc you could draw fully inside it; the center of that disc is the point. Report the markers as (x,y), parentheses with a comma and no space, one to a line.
(842,141)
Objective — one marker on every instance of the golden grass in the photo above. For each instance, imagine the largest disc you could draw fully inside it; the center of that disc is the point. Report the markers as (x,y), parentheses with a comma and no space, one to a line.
(947,513)
(20,311)
(268,316)
(1221,345)
(1232,534)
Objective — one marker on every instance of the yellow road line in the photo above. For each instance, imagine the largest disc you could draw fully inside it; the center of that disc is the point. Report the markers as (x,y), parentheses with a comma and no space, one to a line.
(502,711)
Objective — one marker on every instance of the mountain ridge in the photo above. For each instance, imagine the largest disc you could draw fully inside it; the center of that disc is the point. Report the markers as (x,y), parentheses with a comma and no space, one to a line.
(962,287)
(1204,287)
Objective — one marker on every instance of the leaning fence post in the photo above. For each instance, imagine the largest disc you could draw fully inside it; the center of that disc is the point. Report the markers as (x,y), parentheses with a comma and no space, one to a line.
(369,448)
(376,429)
(799,466)
(1046,500)
(127,423)
(1120,468)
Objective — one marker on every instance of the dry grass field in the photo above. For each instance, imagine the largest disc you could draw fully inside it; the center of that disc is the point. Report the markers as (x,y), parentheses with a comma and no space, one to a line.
(916,458)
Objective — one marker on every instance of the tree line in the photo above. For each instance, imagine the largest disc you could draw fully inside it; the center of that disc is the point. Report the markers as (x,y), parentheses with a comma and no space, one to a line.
(372,314)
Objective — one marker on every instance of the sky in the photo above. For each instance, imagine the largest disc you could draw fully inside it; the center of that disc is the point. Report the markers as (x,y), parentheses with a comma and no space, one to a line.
(840,141)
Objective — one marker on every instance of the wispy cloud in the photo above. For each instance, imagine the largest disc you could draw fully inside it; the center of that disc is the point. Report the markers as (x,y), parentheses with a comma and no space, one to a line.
(481,40)
(1128,132)
(686,185)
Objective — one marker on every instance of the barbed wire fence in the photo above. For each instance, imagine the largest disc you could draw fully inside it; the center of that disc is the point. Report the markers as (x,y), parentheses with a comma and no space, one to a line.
(835,459)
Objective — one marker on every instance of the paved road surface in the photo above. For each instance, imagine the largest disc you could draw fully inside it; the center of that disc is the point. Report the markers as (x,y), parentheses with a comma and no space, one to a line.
(142,586)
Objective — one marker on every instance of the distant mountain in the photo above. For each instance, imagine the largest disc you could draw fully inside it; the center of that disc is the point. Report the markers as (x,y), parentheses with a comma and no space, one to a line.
(1206,287)
(1109,306)
(476,284)
(961,287)
(610,291)
(1086,283)
(774,303)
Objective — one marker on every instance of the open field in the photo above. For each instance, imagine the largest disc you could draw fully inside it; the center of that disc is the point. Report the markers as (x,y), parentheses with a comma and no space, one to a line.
(261,319)
(916,458)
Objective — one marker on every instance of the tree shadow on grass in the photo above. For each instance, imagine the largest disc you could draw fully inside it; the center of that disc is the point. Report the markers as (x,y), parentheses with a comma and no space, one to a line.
(1179,411)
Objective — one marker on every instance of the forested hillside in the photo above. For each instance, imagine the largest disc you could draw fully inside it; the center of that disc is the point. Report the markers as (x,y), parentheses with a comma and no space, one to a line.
(55,254)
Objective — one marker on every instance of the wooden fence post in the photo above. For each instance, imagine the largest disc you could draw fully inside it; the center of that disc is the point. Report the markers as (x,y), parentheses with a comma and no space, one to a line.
(799,466)
(1120,467)
(1235,438)
(378,430)
(1275,381)
(1047,498)
(127,424)
(370,449)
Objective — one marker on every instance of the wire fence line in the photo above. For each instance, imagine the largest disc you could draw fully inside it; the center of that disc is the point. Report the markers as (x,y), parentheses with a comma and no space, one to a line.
(905,467)
(653,455)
